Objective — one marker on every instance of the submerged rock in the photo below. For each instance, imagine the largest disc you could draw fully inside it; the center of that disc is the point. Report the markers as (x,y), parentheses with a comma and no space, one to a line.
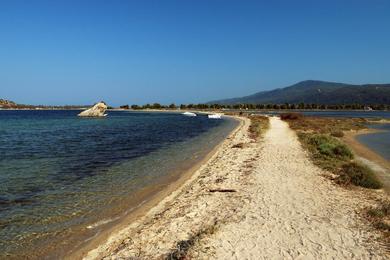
(96,111)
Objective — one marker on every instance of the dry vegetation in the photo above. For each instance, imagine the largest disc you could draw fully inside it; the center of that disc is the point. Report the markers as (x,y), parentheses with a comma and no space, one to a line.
(320,136)
(182,247)
(323,125)
(380,218)
(259,124)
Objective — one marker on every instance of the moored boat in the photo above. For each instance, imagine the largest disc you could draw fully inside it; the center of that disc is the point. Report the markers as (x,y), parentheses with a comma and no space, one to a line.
(215,116)
(188,114)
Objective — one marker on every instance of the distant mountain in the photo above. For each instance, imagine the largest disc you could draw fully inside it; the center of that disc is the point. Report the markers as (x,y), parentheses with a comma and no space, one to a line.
(318,92)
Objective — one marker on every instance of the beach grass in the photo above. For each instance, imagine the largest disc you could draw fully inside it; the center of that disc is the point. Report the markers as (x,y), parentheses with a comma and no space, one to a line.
(379,216)
(323,125)
(259,125)
(180,252)
(320,136)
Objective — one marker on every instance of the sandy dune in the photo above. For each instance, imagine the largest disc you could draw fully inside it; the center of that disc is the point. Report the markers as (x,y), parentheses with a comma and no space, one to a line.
(283,208)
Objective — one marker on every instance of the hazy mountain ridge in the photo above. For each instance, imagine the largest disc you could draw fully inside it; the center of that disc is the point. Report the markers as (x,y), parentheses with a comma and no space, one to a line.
(318,92)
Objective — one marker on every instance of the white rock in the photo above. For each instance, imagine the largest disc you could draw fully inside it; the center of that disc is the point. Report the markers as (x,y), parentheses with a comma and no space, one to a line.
(96,111)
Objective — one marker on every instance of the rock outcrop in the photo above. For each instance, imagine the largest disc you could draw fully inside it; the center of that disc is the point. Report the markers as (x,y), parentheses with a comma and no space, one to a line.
(96,111)
(7,103)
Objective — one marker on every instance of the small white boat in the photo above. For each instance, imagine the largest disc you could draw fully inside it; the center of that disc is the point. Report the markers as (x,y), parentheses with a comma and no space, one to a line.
(214,116)
(188,114)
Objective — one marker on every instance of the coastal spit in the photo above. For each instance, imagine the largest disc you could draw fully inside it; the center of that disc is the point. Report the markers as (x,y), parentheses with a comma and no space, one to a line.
(253,199)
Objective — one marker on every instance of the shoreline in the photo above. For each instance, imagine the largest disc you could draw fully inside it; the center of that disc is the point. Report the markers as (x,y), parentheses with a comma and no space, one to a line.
(367,156)
(152,202)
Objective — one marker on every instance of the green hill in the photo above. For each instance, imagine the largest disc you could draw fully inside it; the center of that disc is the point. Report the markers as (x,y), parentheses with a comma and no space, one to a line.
(318,92)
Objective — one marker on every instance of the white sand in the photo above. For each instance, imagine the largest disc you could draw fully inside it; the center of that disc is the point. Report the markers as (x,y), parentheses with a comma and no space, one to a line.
(284,207)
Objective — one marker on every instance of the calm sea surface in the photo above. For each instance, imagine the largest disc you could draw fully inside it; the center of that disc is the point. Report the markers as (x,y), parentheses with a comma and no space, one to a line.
(378,142)
(62,176)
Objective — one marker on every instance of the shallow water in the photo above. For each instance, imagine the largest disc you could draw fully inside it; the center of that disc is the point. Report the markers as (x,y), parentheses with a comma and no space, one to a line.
(378,142)
(60,174)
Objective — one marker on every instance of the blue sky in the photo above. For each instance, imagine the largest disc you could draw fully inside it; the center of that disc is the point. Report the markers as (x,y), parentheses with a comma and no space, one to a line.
(125,52)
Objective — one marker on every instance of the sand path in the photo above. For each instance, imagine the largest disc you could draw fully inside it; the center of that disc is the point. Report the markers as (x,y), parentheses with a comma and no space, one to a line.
(294,212)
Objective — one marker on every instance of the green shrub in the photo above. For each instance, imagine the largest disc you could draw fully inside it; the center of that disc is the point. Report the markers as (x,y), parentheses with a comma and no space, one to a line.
(359,175)
(330,147)
(342,150)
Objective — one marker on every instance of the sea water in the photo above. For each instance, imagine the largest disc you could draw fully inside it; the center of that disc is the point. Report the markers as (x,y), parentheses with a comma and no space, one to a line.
(62,176)
(378,142)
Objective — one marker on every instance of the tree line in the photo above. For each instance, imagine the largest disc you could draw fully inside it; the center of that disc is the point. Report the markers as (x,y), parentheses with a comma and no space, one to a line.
(285,106)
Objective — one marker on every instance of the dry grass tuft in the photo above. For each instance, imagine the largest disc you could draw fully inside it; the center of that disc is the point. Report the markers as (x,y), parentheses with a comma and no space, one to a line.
(379,216)
(291,116)
(180,252)
(337,133)
(239,145)
(259,124)
(325,125)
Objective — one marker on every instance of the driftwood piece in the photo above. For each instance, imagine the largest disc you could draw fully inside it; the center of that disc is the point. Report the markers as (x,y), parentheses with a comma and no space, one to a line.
(222,190)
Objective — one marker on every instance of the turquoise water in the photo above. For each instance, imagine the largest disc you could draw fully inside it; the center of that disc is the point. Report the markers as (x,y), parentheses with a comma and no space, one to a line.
(62,176)
(378,142)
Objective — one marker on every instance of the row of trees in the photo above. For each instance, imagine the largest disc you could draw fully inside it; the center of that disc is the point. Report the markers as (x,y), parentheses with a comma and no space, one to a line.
(260,106)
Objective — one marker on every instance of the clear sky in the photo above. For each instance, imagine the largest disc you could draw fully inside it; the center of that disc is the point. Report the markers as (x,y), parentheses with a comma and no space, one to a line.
(125,52)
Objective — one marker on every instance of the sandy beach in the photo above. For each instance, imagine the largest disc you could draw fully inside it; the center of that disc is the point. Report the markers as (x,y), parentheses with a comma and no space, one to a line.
(280,205)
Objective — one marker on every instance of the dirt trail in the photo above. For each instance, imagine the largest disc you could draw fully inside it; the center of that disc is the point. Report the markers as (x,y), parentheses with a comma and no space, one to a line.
(293,212)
